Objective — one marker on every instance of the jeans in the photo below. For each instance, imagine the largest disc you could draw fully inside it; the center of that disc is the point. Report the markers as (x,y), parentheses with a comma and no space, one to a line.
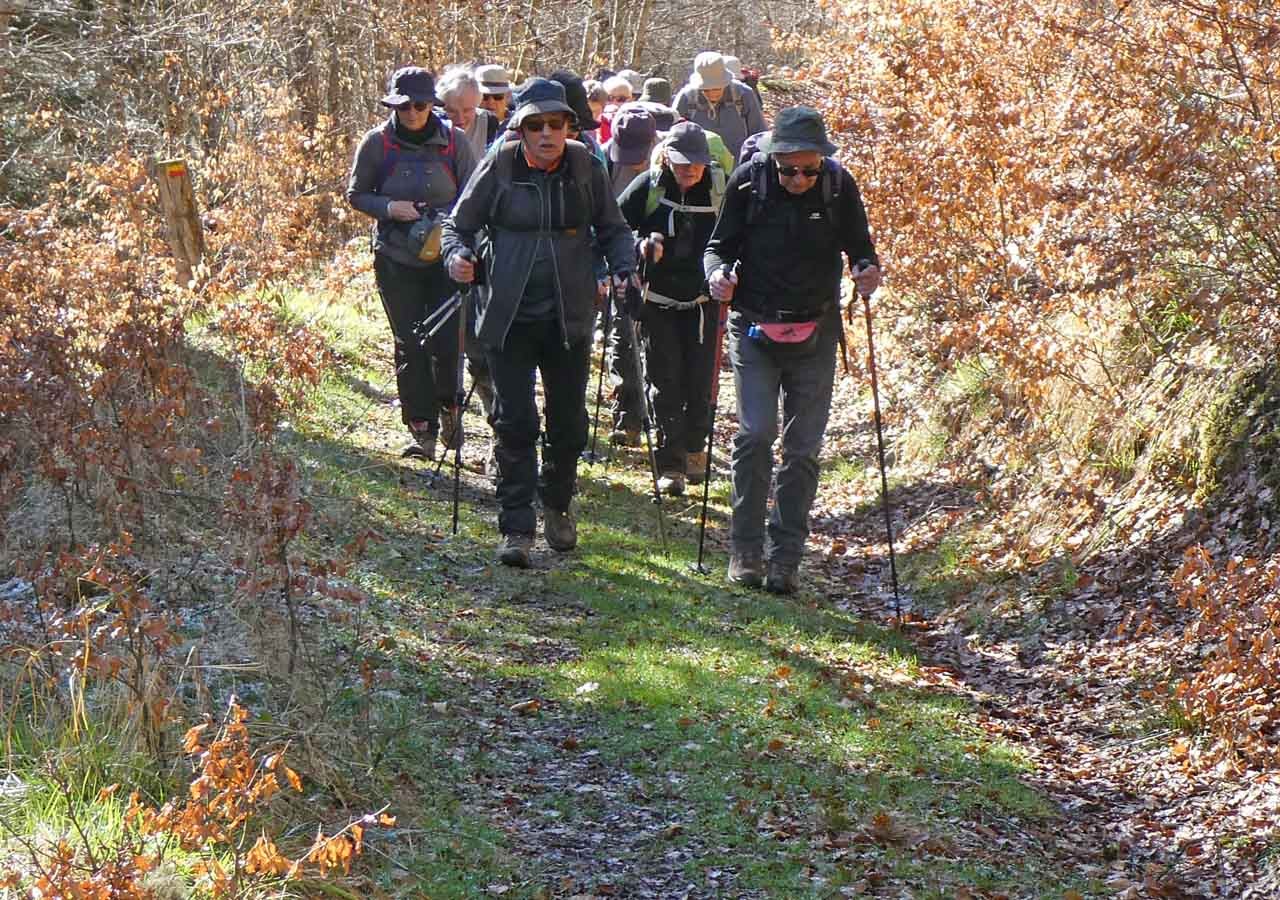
(532,348)
(679,369)
(804,381)
(425,368)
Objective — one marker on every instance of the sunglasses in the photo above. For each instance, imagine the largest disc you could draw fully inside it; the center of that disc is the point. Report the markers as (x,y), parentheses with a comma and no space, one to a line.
(538,123)
(792,171)
(418,105)
(621,98)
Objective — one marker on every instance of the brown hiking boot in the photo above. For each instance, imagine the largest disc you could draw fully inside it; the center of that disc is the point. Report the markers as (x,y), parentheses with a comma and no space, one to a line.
(424,440)
(695,467)
(451,428)
(513,550)
(559,529)
(784,577)
(746,568)
(671,484)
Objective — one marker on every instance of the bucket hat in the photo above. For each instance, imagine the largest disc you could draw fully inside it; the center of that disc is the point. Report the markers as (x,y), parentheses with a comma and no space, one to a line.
(797,129)
(537,96)
(633,132)
(709,72)
(408,85)
(658,90)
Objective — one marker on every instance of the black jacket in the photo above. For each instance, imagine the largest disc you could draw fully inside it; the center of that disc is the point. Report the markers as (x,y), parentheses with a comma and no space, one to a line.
(790,254)
(679,274)
(514,209)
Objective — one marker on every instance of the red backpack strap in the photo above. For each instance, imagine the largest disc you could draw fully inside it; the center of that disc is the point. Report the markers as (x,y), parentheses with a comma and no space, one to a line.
(388,160)
(451,151)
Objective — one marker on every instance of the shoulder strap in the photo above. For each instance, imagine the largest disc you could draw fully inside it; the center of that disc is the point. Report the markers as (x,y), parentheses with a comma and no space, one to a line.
(759,187)
(656,192)
(832,182)
(388,159)
(451,150)
(739,102)
(503,167)
(581,162)
(491,129)
(718,181)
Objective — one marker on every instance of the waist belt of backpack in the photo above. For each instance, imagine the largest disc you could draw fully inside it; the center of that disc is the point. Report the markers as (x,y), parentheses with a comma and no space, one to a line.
(784,315)
(680,305)
(680,207)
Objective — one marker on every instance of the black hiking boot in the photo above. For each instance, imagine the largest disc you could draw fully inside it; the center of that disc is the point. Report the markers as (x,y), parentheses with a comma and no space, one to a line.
(559,529)
(784,577)
(746,568)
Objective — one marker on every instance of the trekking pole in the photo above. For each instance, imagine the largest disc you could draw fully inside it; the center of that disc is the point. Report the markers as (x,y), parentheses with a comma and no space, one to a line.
(647,425)
(722,319)
(604,348)
(460,403)
(884,478)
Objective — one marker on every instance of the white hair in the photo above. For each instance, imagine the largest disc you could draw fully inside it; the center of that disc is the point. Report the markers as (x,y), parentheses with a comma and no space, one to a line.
(617,82)
(455,80)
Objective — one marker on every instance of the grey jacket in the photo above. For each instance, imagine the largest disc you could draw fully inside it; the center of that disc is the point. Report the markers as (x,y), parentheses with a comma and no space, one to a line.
(725,119)
(420,173)
(506,210)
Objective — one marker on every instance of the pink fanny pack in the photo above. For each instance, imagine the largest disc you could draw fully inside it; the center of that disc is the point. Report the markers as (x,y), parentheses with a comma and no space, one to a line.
(787,332)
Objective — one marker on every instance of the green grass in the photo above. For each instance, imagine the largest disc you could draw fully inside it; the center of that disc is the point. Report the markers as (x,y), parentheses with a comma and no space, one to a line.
(679,728)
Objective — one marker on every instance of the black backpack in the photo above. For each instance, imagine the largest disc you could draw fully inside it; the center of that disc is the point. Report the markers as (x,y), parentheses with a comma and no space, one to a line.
(579,159)
(760,185)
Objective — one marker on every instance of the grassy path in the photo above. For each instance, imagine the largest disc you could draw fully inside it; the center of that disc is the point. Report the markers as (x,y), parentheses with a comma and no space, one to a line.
(610,724)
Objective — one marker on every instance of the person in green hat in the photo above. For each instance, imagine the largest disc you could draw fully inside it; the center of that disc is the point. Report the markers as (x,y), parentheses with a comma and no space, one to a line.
(789,216)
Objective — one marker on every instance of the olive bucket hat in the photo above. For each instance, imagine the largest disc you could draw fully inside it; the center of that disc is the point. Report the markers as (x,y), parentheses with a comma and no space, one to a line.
(796,130)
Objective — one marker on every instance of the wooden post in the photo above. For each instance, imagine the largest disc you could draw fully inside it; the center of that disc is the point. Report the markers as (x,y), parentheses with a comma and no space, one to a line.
(181,218)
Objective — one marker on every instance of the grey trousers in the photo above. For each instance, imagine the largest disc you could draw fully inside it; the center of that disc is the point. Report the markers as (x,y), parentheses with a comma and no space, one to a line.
(803,381)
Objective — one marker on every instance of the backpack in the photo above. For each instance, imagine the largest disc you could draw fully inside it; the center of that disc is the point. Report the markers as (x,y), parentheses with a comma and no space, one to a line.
(735,97)
(832,180)
(578,158)
(750,147)
(657,194)
(389,154)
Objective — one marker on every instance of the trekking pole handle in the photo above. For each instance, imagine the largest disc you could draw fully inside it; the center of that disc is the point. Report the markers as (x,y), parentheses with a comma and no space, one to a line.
(858,268)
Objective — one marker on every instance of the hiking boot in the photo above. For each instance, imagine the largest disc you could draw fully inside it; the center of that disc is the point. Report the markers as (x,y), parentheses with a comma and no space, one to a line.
(451,428)
(513,550)
(784,577)
(625,437)
(695,467)
(671,484)
(424,440)
(746,568)
(559,529)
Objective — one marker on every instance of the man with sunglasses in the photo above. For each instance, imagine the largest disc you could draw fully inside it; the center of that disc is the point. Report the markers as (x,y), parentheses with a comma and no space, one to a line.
(524,227)
(406,175)
(775,253)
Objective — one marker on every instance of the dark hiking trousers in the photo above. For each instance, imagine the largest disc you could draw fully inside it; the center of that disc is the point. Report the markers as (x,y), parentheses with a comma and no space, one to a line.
(532,348)
(804,382)
(680,377)
(628,392)
(425,373)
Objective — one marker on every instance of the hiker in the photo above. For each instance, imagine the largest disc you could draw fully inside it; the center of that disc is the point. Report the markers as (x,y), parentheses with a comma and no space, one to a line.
(634,134)
(584,124)
(459,94)
(524,228)
(495,91)
(406,175)
(775,253)
(716,102)
(597,99)
(618,93)
(635,79)
(672,208)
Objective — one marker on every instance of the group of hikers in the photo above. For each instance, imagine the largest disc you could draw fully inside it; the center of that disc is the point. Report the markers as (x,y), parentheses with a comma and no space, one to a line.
(512,221)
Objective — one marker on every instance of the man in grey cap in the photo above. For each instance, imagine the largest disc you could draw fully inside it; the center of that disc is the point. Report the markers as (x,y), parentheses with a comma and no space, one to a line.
(718,103)
(524,226)
(788,217)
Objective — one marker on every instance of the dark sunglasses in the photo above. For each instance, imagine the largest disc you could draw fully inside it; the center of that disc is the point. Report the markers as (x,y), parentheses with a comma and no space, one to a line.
(538,123)
(621,98)
(419,105)
(792,171)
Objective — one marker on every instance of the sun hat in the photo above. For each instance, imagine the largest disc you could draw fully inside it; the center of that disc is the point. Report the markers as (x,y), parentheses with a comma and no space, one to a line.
(537,96)
(686,144)
(493,79)
(409,84)
(632,136)
(798,129)
(709,72)
(658,90)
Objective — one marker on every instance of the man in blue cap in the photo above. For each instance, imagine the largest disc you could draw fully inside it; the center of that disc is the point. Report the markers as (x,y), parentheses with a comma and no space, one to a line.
(524,227)
(788,216)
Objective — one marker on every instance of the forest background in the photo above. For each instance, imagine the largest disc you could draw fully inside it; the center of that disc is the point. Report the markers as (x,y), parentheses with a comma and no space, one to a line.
(1079,210)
